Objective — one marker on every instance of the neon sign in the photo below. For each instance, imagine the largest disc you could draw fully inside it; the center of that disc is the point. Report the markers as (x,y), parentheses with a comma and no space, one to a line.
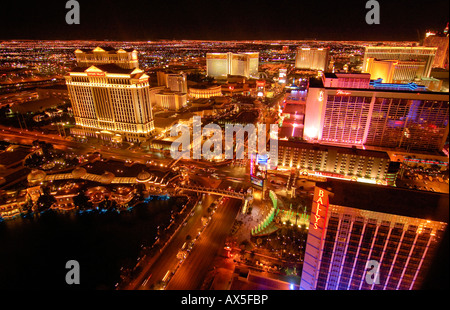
(343,93)
(319,202)
(321,96)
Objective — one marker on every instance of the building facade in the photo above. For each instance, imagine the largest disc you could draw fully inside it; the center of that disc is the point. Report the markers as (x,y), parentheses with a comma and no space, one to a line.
(124,58)
(205,91)
(346,80)
(177,82)
(395,71)
(419,54)
(220,65)
(171,100)
(395,119)
(332,161)
(369,237)
(441,42)
(312,58)
(110,102)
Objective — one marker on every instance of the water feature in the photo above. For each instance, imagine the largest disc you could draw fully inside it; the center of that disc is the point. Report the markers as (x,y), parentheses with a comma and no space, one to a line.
(34,250)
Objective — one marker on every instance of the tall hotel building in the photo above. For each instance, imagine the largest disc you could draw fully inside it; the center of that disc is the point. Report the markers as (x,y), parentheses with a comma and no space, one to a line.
(386,118)
(175,81)
(395,71)
(110,95)
(220,65)
(369,237)
(312,58)
(407,62)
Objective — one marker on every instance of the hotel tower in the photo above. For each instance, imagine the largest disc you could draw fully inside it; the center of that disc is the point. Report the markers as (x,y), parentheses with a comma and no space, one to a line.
(110,95)
(369,237)
(220,65)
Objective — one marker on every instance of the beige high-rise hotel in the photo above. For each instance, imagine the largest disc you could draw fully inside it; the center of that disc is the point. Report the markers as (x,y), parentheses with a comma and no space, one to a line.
(110,96)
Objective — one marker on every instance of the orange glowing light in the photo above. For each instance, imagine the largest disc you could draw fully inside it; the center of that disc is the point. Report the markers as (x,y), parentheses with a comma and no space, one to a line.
(321,96)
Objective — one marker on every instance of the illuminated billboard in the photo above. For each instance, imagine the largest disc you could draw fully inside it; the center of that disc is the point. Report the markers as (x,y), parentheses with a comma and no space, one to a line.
(257,181)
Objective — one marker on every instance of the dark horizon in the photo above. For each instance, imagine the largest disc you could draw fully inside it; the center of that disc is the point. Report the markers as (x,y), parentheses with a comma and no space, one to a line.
(219,20)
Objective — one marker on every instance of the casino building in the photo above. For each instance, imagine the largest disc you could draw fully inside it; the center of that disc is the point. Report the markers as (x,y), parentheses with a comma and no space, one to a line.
(377,117)
(220,65)
(351,164)
(110,96)
(124,58)
(171,100)
(205,91)
(403,56)
(369,237)
(312,58)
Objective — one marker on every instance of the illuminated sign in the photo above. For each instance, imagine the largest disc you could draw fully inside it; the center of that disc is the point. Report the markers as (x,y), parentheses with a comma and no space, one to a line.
(320,212)
(96,73)
(257,181)
(343,93)
(252,166)
(321,96)
(317,215)
(262,159)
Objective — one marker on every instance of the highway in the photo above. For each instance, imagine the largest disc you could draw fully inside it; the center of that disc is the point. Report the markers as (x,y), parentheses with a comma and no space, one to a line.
(27,137)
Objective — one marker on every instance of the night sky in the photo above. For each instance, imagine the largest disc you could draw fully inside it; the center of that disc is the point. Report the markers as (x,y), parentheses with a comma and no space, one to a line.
(221,20)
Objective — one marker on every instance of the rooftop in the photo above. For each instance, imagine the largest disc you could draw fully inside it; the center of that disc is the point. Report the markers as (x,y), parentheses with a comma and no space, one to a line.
(342,150)
(345,75)
(111,68)
(109,49)
(386,199)
(316,83)
(37,105)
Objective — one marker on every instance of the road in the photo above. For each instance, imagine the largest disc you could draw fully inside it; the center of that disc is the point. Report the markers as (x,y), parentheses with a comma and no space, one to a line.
(155,270)
(12,134)
(192,272)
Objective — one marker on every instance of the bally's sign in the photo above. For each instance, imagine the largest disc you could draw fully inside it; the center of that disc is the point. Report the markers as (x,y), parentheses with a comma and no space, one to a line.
(320,208)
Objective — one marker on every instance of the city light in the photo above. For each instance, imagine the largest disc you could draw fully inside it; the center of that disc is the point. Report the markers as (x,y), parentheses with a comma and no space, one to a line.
(213,155)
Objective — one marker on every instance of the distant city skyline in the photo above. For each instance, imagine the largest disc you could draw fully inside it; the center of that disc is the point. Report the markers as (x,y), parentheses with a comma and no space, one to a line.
(204,20)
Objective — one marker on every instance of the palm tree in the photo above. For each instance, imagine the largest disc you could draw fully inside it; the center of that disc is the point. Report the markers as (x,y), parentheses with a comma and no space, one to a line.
(45,201)
(82,202)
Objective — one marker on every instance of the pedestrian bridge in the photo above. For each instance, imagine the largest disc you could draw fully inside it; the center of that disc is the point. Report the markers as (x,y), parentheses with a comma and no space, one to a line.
(213,191)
